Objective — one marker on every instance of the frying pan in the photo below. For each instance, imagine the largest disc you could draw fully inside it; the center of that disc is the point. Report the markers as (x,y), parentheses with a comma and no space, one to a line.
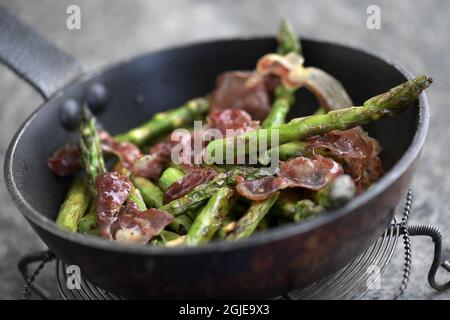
(265,265)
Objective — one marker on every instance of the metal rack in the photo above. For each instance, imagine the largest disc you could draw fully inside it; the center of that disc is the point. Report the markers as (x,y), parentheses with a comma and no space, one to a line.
(351,282)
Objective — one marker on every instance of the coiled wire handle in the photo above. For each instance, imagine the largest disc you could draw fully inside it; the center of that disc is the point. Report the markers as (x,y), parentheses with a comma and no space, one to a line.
(406,243)
(43,257)
(421,230)
(436,235)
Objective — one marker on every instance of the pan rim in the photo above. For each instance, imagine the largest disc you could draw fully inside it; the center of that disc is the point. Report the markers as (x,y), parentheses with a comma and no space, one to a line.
(272,235)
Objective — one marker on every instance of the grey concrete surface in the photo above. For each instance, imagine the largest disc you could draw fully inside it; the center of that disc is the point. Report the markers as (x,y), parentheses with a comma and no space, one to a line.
(414,33)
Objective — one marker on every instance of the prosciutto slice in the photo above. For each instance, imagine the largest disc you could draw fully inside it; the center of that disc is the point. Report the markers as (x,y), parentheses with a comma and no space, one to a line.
(112,191)
(139,227)
(65,161)
(289,68)
(188,183)
(359,152)
(243,90)
(239,121)
(301,172)
(151,165)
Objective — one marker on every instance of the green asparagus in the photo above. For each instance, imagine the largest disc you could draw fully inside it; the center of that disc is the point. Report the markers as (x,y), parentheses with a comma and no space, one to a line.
(88,222)
(74,206)
(182,223)
(136,197)
(79,195)
(386,104)
(287,40)
(211,217)
(153,196)
(205,191)
(284,97)
(306,209)
(336,194)
(248,223)
(169,176)
(165,122)
(91,152)
(164,237)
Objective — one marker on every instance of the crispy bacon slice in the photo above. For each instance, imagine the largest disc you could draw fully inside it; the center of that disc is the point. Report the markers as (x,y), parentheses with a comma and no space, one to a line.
(151,165)
(301,172)
(65,161)
(312,174)
(193,179)
(231,119)
(289,68)
(359,151)
(244,90)
(112,191)
(127,152)
(139,227)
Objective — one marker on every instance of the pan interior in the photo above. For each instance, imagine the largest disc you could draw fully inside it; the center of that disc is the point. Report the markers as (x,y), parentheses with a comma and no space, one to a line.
(166,79)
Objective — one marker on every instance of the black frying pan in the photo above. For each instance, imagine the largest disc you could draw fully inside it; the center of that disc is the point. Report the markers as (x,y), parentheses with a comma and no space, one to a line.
(265,265)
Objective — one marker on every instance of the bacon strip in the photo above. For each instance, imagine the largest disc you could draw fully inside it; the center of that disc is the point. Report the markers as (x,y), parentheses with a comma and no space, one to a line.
(112,191)
(139,227)
(239,121)
(65,161)
(151,165)
(127,152)
(289,68)
(188,183)
(301,172)
(359,152)
(243,90)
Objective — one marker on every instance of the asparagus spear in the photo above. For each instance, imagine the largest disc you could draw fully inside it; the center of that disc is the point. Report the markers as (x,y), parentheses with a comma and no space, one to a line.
(336,194)
(386,104)
(211,217)
(91,152)
(226,229)
(164,237)
(165,122)
(205,191)
(153,196)
(136,197)
(182,223)
(74,206)
(89,221)
(78,197)
(287,40)
(92,159)
(248,223)
(306,209)
(169,176)
(284,97)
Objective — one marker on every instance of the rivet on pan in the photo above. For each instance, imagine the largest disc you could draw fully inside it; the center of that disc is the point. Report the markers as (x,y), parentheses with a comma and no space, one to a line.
(139,100)
(70,114)
(97,97)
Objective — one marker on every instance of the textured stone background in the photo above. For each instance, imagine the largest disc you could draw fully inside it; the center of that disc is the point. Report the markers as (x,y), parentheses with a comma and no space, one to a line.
(414,33)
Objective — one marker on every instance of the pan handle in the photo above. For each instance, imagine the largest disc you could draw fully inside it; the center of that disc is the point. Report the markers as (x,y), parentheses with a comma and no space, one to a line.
(33,58)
